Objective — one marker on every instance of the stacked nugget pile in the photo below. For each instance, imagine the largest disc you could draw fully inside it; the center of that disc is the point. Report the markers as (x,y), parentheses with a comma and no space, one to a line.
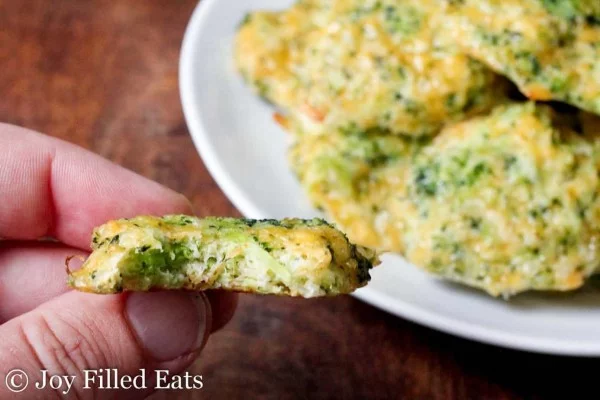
(416,129)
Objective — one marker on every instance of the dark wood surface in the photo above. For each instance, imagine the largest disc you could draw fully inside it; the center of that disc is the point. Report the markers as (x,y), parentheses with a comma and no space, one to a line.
(103,74)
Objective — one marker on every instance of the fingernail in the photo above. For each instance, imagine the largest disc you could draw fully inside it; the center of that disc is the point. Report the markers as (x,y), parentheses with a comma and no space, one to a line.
(168,324)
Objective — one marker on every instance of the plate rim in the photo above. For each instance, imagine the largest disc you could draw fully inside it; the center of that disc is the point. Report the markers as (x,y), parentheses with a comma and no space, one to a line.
(393,305)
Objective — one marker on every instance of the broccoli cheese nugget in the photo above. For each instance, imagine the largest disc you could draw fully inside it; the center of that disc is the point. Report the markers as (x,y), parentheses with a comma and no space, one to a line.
(291,257)
(550,49)
(356,65)
(507,203)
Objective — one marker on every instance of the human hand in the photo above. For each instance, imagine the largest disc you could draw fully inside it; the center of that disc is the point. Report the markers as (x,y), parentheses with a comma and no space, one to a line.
(50,188)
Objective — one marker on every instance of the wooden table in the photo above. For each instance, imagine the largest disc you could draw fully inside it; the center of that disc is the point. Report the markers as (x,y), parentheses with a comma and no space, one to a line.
(103,74)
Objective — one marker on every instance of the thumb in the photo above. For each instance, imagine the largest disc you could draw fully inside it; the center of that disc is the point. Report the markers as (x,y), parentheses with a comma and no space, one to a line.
(79,331)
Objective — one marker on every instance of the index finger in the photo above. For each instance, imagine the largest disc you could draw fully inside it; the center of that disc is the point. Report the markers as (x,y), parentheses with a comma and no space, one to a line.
(53,188)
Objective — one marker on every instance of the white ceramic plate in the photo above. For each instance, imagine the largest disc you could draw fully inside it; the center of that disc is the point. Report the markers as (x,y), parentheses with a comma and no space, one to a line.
(245,152)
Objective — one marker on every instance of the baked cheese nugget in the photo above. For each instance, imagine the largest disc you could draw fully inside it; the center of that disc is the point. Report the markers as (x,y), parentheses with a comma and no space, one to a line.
(507,202)
(550,49)
(293,257)
(356,65)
